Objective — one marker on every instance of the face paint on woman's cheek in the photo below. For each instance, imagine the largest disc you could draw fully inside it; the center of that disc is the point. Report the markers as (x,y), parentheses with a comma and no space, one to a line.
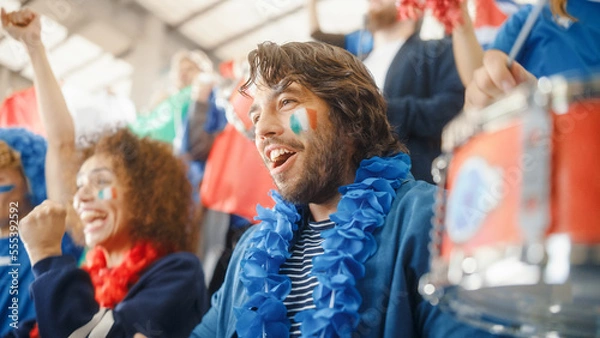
(6,188)
(109,193)
(303,119)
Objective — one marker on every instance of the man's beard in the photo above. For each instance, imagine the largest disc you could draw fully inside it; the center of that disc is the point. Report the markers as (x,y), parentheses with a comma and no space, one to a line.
(382,18)
(325,170)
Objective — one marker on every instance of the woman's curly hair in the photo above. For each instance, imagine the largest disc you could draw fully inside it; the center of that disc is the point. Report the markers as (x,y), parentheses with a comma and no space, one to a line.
(158,193)
(32,151)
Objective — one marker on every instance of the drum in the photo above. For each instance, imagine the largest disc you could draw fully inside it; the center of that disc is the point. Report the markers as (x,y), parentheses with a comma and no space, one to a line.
(516,239)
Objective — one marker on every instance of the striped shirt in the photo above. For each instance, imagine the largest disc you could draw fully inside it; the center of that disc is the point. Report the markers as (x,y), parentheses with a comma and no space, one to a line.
(298,267)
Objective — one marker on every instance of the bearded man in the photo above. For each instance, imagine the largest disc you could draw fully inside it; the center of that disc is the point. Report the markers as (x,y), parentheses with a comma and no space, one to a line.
(342,251)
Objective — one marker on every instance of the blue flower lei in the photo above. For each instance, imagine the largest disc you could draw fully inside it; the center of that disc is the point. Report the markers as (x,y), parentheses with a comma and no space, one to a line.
(362,209)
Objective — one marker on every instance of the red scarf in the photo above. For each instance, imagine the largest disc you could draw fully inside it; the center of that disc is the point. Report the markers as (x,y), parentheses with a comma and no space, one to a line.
(112,284)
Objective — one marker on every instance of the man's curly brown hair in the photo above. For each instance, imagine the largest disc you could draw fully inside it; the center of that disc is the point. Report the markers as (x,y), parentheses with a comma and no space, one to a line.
(158,193)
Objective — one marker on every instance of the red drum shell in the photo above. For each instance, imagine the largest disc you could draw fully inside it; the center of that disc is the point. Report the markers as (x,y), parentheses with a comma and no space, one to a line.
(576,172)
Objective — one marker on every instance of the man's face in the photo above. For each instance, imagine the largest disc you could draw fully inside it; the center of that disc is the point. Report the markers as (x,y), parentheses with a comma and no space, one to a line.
(304,153)
(381,14)
(187,71)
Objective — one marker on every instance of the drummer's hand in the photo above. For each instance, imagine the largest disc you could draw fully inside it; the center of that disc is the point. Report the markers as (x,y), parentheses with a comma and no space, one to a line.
(42,231)
(493,80)
(23,25)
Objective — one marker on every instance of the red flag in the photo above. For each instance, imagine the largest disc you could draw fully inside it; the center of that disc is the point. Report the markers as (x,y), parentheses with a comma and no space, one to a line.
(489,16)
(20,110)
(236,179)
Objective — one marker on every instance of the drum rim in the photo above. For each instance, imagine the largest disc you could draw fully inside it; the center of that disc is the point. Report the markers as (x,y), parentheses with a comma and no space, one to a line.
(554,93)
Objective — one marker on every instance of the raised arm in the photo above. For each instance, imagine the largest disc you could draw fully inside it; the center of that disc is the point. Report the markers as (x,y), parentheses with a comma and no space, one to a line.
(202,111)
(313,16)
(61,159)
(468,53)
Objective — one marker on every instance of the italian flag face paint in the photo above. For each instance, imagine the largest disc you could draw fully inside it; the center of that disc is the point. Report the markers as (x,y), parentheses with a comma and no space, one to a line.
(109,193)
(303,119)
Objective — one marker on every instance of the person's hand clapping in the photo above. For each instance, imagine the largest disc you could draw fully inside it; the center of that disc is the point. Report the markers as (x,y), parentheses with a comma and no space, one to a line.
(493,80)
(42,230)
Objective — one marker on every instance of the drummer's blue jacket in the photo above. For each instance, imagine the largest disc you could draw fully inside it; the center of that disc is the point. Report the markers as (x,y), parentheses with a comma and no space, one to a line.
(392,306)
(568,47)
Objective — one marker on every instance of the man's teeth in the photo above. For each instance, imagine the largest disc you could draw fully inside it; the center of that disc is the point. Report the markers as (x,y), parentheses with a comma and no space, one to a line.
(275,154)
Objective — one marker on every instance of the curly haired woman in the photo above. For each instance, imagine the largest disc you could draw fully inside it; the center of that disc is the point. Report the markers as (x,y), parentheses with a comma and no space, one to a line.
(134,203)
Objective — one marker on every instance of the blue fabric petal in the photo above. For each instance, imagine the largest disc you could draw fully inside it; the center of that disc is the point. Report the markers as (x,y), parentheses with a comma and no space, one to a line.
(248,323)
(280,286)
(338,262)
(390,167)
(253,270)
(310,325)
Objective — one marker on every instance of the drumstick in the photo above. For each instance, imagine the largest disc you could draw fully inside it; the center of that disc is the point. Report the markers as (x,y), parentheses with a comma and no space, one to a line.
(535,12)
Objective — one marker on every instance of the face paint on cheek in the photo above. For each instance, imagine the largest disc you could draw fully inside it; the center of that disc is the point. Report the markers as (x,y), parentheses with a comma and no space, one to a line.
(109,193)
(303,119)
(6,188)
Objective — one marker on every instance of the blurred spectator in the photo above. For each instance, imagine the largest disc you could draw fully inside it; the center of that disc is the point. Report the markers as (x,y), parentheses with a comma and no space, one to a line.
(418,79)
(189,118)
(192,78)
(22,187)
(359,42)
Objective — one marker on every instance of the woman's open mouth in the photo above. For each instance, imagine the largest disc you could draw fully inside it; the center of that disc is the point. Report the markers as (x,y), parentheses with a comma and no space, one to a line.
(92,219)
